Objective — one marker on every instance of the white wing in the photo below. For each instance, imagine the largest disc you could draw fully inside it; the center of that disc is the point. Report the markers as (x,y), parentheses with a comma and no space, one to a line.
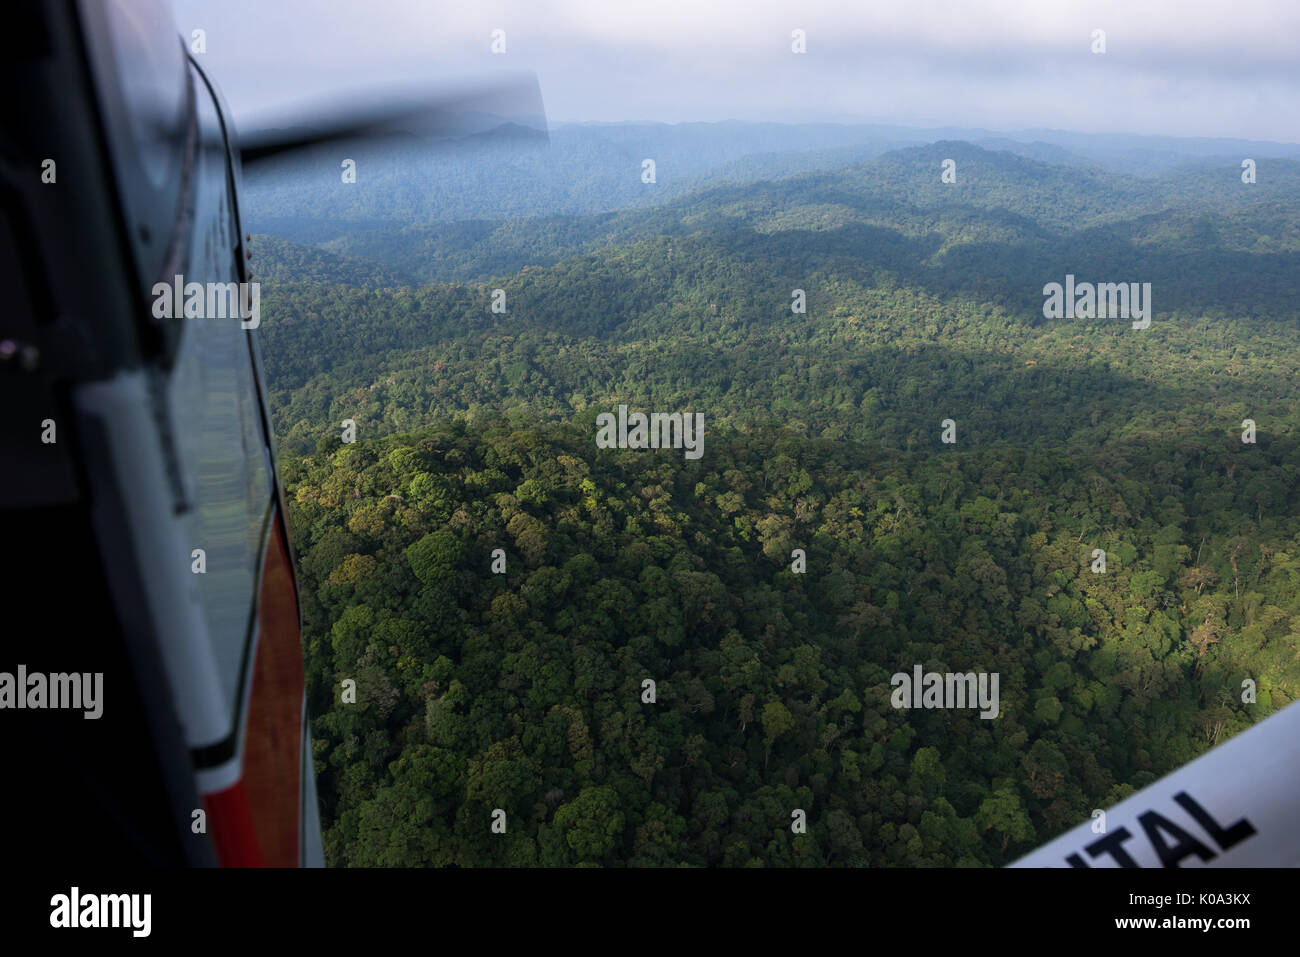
(1235,806)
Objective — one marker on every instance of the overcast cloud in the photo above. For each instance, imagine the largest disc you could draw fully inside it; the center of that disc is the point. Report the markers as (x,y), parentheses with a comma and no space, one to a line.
(1173,67)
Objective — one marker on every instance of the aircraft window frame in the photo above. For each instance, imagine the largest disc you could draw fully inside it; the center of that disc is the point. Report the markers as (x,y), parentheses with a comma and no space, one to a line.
(149,149)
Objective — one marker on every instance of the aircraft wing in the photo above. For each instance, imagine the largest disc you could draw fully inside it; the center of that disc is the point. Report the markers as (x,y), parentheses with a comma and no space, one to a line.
(1232,807)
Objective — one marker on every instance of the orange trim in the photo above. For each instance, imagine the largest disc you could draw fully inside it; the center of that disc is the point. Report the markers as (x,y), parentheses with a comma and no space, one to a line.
(273,736)
(231,825)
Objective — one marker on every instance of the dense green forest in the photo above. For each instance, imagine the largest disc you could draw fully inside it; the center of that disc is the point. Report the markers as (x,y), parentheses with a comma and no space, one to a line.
(500,588)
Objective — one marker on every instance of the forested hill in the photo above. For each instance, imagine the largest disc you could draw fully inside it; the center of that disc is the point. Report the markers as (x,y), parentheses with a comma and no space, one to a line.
(279,261)
(584,169)
(501,589)
(578,170)
(999,195)
(691,303)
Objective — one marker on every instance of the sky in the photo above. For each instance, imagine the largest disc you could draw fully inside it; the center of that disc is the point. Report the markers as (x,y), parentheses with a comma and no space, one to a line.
(1171,67)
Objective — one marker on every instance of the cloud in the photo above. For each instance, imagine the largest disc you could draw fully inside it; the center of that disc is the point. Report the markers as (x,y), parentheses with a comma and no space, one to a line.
(1180,68)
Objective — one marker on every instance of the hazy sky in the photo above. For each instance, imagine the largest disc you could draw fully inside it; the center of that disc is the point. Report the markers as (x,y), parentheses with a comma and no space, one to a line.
(1175,67)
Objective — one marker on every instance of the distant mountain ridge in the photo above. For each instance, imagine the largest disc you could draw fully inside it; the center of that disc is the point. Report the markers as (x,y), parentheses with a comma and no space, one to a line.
(999,194)
(594,168)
